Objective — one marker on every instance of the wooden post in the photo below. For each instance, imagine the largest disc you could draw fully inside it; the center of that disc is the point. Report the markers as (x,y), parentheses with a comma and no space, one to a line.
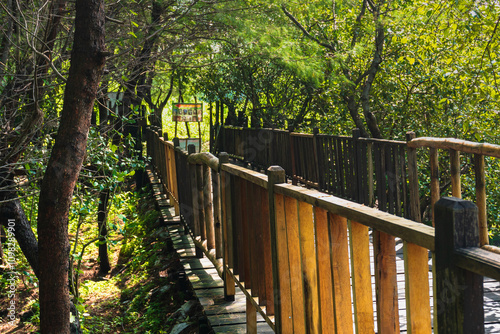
(275,175)
(413,180)
(227,228)
(208,208)
(459,292)
(481,199)
(456,189)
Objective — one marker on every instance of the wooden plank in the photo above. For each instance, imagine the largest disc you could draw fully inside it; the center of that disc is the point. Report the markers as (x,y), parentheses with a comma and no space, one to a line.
(237,228)
(284,298)
(267,266)
(226,211)
(293,245)
(247,174)
(219,252)
(276,175)
(361,278)
(384,246)
(480,261)
(309,268)
(405,229)
(324,264)
(244,250)
(251,232)
(413,180)
(456,188)
(481,199)
(341,274)
(435,193)
(418,310)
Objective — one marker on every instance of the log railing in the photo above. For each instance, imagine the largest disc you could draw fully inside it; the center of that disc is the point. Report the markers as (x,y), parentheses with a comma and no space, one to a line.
(455,148)
(303,258)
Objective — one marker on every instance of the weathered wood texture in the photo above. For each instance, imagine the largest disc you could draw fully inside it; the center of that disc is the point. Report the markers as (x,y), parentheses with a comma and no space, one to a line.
(298,255)
(459,291)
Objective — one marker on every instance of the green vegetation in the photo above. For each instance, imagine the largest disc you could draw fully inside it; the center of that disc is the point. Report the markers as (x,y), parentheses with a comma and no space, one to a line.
(143,292)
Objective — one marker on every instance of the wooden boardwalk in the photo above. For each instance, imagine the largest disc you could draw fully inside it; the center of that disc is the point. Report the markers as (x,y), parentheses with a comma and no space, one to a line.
(230,317)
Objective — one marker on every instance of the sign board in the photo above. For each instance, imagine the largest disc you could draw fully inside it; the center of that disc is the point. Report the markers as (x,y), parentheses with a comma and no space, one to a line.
(187,112)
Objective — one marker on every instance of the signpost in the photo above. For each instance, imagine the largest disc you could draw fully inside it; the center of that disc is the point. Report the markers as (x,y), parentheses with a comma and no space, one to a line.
(188,112)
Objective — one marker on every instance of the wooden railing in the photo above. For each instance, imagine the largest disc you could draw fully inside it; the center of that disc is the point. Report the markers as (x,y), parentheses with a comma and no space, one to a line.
(300,254)
(369,171)
(455,147)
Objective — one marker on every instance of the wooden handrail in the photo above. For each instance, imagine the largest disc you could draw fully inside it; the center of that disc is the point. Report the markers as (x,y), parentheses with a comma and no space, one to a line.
(457,145)
(479,261)
(416,233)
(204,158)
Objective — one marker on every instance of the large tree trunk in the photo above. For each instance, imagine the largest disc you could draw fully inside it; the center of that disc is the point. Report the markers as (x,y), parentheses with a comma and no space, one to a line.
(87,62)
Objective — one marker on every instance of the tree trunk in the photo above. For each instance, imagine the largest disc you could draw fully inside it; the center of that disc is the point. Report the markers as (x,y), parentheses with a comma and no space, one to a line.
(87,62)
(102,216)
(23,232)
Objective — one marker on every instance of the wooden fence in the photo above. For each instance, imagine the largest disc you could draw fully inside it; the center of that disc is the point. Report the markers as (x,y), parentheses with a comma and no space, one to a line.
(369,171)
(302,257)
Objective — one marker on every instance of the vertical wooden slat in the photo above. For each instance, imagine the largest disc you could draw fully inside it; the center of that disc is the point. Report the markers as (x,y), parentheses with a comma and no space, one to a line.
(260,244)
(217,214)
(398,169)
(267,268)
(371,190)
(341,274)
(361,278)
(284,298)
(390,171)
(237,229)
(418,309)
(384,247)
(435,193)
(309,267)
(293,239)
(481,199)
(229,284)
(324,265)
(252,231)
(244,250)
(413,180)
(456,188)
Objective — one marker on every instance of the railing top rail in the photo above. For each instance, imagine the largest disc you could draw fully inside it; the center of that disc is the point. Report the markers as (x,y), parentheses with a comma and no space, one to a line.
(457,145)
(247,174)
(383,141)
(305,135)
(413,232)
(204,158)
